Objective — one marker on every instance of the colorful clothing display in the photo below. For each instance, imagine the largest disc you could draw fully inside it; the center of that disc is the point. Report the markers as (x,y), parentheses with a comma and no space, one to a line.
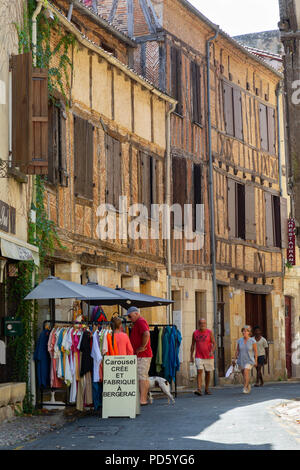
(165,342)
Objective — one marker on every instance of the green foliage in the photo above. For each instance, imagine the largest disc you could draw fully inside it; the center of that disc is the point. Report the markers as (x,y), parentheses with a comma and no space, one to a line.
(43,232)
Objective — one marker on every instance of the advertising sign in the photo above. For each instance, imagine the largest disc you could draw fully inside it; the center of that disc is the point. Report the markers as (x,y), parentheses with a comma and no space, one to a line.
(120,386)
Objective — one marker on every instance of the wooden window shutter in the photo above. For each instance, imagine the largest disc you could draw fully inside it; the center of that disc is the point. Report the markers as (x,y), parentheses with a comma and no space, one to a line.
(39,162)
(241,220)
(179,175)
(63,172)
(263,124)
(283,222)
(228,109)
(79,155)
(89,155)
(154,192)
(117,176)
(231,185)
(271,130)
(269,219)
(197,190)
(53,144)
(238,116)
(22,130)
(109,169)
(250,212)
(196,92)
(176,71)
(276,221)
(145,187)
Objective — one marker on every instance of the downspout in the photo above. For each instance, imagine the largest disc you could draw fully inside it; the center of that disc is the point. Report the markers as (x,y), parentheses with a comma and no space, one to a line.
(32,212)
(278,93)
(168,203)
(212,205)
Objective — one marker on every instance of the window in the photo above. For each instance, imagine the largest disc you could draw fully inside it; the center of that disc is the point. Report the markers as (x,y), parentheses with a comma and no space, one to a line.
(276,221)
(233,110)
(148,186)
(267,128)
(241,210)
(57,168)
(196,92)
(176,72)
(113,171)
(83,157)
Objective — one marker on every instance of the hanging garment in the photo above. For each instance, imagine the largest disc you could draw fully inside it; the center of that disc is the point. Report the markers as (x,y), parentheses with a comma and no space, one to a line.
(66,346)
(87,360)
(178,343)
(97,357)
(154,345)
(97,395)
(88,390)
(98,314)
(60,368)
(159,356)
(55,382)
(172,355)
(43,359)
(165,354)
(2,352)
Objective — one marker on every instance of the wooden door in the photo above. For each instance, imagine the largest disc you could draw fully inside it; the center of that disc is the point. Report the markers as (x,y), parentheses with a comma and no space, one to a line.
(288,335)
(256,311)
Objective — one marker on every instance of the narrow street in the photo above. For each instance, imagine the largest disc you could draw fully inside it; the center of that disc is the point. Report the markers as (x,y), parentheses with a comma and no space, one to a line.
(227,420)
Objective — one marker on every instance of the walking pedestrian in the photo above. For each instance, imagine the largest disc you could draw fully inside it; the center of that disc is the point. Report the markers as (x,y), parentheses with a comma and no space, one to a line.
(204,341)
(262,353)
(246,356)
(140,340)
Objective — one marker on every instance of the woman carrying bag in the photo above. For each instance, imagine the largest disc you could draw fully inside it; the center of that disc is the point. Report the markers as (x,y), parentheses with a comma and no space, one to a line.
(246,356)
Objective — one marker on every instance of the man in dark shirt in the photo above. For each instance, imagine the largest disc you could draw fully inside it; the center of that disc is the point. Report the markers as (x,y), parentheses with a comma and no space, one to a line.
(140,340)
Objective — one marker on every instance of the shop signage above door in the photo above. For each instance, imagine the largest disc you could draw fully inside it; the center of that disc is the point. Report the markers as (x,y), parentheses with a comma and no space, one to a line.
(7,218)
(291,250)
(120,387)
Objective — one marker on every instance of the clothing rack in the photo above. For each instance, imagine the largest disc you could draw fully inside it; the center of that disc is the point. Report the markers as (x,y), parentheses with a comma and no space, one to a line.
(175,381)
(71,323)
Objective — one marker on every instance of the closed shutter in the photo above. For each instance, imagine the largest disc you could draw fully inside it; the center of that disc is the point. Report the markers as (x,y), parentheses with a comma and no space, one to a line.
(63,173)
(176,71)
(117,176)
(53,144)
(22,129)
(231,185)
(196,92)
(109,169)
(81,156)
(241,221)
(89,154)
(238,117)
(179,173)
(250,212)
(263,124)
(197,191)
(39,162)
(284,222)
(228,108)
(154,193)
(269,220)
(271,130)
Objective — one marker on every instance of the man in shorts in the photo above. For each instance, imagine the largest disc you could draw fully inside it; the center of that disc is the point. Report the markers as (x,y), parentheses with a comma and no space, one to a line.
(205,344)
(140,340)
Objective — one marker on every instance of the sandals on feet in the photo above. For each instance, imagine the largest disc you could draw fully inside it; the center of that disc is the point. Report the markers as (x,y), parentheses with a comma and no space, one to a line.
(198,392)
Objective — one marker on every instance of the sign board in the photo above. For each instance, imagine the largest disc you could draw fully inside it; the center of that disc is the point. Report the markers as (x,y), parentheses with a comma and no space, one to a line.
(13,327)
(120,387)
(7,218)
(291,250)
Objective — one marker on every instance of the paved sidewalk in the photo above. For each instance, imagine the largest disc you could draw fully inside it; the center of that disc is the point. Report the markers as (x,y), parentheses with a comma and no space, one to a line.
(226,420)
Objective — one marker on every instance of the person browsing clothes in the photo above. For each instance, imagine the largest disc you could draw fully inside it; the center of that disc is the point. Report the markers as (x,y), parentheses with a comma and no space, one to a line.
(121,338)
(140,340)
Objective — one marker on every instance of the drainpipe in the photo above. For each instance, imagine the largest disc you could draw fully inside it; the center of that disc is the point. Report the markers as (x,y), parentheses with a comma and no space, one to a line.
(32,215)
(211,203)
(168,203)
(278,93)
(70,12)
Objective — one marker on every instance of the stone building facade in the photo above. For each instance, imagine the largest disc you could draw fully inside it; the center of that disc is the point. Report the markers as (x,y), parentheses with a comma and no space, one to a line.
(109,143)
(250,214)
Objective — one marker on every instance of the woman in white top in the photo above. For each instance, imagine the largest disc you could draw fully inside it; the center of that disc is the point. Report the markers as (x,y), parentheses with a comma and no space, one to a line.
(262,353)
